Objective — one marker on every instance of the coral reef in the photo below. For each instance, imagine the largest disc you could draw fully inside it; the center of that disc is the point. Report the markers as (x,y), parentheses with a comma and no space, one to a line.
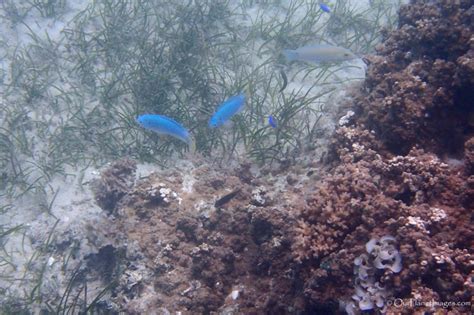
(420,83)
(292,240)
(186,254)
(398,169)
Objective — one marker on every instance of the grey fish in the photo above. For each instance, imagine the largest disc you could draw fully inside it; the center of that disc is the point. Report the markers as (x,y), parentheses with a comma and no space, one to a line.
(319,53)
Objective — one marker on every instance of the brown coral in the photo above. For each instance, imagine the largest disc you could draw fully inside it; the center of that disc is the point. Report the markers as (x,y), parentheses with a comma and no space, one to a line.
(114,183)
(421,83)
(469,156)
(389,176)
(196,258)
(286,242)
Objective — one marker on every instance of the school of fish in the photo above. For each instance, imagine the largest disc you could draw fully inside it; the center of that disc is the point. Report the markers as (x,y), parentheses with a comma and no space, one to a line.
(318,53)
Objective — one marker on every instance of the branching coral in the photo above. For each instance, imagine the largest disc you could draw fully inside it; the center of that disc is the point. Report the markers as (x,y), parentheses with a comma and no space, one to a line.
(420,84)
(388,172)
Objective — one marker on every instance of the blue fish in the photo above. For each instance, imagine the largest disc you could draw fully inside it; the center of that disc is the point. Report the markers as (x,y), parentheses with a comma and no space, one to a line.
(325,8)
(165,126)
(272,121)
(226,110)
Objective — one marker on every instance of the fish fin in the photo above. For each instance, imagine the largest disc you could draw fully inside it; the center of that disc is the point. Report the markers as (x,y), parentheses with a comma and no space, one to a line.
(290,55)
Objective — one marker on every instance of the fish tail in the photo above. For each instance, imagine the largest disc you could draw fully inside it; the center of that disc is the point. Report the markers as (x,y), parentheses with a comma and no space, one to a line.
(290,55)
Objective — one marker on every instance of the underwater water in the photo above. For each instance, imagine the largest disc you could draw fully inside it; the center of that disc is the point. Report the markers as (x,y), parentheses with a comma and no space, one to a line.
(236,157)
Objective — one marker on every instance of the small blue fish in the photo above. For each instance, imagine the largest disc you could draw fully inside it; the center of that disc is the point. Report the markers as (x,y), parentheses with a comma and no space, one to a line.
(226,110)
(325,7)
(272,121)
(165,126)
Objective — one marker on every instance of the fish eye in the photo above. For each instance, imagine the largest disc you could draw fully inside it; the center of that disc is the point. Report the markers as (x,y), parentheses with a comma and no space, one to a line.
(346,55)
